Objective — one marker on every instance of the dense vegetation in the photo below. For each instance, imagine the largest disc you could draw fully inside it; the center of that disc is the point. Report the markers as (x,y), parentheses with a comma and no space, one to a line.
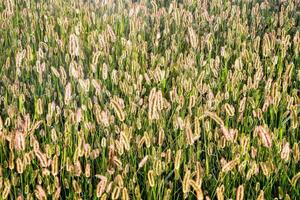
(113,99)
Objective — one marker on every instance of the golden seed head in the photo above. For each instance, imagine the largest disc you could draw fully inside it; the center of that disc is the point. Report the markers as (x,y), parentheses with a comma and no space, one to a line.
(40,193)
(19,141)
(177,160)
(186,182)
(151,178)
(116,192)
(220,192)
(20,166)
(240,193)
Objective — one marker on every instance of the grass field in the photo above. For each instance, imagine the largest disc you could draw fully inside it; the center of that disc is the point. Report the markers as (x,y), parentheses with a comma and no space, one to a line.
(152,100)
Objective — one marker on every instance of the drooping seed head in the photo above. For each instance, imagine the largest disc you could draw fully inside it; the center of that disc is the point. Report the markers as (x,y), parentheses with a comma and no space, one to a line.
(265,136)
(143,161)
(230,110)
(118,110)
(40,193)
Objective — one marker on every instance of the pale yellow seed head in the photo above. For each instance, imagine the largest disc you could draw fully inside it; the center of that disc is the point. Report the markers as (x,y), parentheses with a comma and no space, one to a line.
(240,193)
(151,178)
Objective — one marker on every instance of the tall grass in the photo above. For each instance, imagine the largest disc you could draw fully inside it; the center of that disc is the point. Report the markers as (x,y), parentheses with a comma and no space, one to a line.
(115,99)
